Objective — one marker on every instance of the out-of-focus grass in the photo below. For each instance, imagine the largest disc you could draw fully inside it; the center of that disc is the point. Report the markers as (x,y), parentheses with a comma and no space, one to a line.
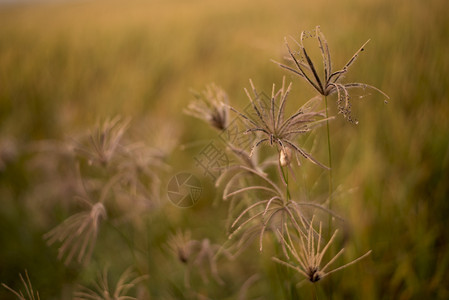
(65,65)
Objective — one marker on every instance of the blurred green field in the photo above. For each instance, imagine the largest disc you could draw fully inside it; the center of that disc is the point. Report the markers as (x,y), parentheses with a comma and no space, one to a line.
(65,65)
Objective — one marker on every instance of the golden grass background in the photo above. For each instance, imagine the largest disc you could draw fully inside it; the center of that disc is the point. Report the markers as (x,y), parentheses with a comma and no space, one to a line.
(65,65)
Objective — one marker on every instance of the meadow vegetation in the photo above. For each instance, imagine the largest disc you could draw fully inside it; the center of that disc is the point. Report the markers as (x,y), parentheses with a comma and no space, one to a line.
(93,125)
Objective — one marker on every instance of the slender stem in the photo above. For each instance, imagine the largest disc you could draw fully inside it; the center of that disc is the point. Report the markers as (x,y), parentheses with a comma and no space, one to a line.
(285,176)
(149,247)
(282,274)
(287,275)
(329,150)
(330,182)
(330,159)
(315,292)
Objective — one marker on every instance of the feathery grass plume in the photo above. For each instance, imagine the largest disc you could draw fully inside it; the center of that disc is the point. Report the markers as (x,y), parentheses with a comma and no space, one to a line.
(139,172)
(102,290)
(211,105)
(102,145)
(329,81)
(278,131)
(79,232)
(197,255)
(180,245)
(30,295)
(271,209)
(307,260)
(239,176)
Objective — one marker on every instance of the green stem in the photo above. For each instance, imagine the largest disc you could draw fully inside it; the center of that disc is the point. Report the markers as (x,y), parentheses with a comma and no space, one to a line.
(330,183)
(285,176)
(287,287)
(330,160)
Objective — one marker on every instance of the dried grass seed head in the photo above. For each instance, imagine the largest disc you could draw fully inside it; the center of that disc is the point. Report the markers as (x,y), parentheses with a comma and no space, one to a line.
(103,144)
(308,259)
(211,105)
(328,81)
(140,173)
(29,292)
(78,233)
(103,291)
(266,206)
(274,128)
(180,245)
(198,255)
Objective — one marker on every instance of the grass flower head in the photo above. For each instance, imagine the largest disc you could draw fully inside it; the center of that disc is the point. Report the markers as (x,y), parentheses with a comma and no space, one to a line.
(103,144)
(329,81)
(199,255)
(275,129)
(308,259)
(103,291)
(78,233)
(211,106)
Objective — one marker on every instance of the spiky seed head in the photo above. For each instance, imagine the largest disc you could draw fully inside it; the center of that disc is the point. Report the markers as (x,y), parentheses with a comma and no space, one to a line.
(211,105)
